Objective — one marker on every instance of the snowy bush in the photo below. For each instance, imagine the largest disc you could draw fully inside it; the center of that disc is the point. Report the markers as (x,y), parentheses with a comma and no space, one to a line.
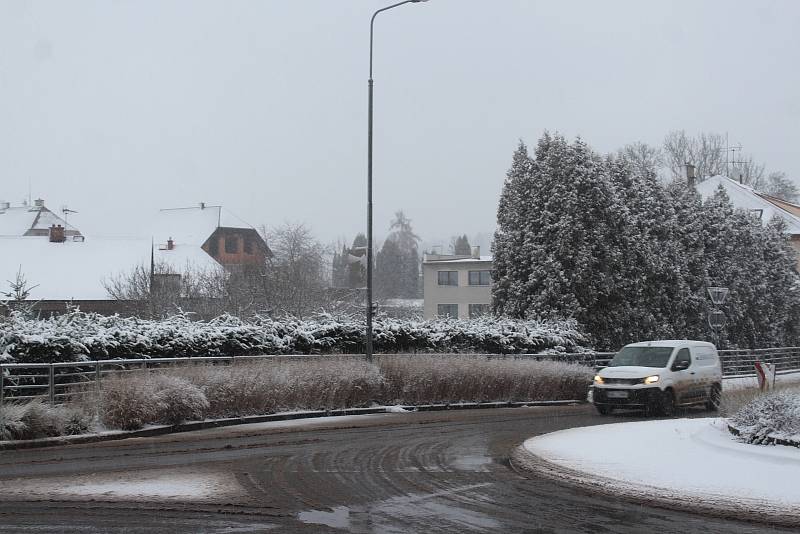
(78,336)
(443,379)
(769,417)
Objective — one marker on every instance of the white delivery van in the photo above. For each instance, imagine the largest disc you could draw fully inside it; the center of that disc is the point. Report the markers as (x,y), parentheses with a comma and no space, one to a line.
(657,376)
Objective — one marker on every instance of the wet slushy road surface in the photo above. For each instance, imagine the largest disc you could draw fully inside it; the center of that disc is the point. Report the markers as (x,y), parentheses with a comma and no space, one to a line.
(406,473)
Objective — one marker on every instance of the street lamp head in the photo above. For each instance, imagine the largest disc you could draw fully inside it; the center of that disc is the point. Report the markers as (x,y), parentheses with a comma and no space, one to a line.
(418,1)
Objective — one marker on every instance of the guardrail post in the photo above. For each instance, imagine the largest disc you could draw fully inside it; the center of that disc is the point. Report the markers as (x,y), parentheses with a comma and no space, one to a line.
(51,385)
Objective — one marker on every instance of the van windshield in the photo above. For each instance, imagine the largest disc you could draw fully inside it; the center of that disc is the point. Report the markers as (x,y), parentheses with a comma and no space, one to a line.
(642,357)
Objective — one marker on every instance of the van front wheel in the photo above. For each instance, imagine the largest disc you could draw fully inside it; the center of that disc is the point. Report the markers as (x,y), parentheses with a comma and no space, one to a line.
(666,403)
(712,405)
(604,410)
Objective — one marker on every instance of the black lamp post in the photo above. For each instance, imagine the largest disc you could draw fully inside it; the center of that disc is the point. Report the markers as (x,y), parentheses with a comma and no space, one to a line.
(370,310)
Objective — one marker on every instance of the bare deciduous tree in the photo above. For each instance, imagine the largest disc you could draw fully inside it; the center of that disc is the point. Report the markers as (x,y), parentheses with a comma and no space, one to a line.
(295,278)
(705,151)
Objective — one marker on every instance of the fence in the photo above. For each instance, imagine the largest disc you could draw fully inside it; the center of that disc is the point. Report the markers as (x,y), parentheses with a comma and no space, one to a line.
(56,381)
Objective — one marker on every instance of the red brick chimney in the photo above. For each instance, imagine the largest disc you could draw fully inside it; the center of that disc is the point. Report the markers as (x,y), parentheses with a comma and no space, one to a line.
(57,234)
(170,244)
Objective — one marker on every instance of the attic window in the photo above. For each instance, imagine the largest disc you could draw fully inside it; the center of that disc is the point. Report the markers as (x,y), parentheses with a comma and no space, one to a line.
(231,244)
(248,245)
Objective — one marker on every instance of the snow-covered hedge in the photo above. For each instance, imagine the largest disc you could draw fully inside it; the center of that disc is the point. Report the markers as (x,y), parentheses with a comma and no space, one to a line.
(79,336)
(770,418)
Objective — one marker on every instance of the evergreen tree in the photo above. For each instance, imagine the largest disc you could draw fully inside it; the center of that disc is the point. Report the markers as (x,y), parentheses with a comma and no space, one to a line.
(510,268)
(398,274)
(461,246)
(339,267)
(356,269)
(600,240)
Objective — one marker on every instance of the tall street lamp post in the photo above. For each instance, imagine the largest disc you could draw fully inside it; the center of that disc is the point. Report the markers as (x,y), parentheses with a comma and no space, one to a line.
(370,309)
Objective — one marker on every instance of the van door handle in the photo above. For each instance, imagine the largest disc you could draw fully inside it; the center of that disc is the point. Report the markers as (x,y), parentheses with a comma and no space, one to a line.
(691,373)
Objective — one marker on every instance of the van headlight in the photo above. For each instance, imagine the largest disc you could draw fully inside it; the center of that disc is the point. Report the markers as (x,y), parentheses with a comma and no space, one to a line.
(598,379)
(651,379)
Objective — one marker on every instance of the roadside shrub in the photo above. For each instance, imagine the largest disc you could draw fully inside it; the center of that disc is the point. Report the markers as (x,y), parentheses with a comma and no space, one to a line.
(38,420)
(270,386)
(768,417)
(129,402)
(78,336)
(11,424)
(178,399)
(442,379)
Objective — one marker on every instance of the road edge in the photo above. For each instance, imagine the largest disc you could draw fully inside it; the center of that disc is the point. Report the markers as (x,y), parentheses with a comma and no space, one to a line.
(162,430)
(528,464)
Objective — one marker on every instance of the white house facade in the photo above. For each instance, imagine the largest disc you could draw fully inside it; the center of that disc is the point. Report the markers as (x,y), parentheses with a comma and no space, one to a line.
(457,286)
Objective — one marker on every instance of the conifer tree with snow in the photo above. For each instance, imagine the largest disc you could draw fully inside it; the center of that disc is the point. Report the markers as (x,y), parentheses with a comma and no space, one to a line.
(397,263)
(356,270)
(461,246)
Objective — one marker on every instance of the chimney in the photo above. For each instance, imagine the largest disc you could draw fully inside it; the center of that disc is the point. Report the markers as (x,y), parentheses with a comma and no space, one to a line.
(476,253)
(691,178)
(202,205)
(57,234)
(170,244)
(39,203)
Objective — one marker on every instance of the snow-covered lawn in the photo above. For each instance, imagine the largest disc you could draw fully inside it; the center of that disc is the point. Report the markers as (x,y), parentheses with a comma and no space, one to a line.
(693,461)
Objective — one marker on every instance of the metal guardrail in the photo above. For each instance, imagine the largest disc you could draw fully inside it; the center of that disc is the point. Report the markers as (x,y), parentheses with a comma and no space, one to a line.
(55,382)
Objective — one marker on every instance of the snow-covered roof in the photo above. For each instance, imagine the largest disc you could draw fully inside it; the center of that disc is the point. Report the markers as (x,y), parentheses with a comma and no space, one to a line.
(480,259)
(76,269)
(19,220)
(745,197)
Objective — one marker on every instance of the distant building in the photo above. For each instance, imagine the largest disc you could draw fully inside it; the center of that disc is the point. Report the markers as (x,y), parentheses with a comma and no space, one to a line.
(457,286)
(763,206)
(62,265)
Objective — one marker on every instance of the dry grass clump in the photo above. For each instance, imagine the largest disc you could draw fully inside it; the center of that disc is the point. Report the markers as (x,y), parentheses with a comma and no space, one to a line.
(267,387)
(441,379)
(35,420)
(132,401)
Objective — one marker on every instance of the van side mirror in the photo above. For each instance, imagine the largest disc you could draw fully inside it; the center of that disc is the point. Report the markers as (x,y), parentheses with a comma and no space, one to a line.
(680,366)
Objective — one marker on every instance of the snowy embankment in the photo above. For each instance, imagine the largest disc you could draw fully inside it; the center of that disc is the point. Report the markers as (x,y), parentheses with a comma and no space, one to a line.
(687,464)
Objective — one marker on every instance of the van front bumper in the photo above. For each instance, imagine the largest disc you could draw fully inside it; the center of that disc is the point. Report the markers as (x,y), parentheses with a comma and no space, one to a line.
(638,397)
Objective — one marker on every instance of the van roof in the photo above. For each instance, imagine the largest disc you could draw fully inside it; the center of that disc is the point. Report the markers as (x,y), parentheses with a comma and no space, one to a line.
(672,343)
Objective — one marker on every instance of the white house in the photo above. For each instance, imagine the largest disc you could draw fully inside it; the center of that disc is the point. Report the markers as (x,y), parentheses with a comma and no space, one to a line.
(457,286)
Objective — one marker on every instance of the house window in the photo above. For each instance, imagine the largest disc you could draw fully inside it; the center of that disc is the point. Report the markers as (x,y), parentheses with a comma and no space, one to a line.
(480,278)
(248,245)
(231,244)
(447,310)
(477,310)
(448,278)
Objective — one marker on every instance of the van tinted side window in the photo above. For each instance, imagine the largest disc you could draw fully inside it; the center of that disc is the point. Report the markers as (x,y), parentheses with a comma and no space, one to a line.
(682,356)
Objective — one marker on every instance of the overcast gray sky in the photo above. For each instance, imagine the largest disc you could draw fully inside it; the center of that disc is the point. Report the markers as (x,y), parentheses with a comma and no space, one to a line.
(116,108)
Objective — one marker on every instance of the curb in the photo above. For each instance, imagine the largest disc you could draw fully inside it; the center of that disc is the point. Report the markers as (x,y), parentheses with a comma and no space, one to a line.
(289,416)
(529,465)
(767,440)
